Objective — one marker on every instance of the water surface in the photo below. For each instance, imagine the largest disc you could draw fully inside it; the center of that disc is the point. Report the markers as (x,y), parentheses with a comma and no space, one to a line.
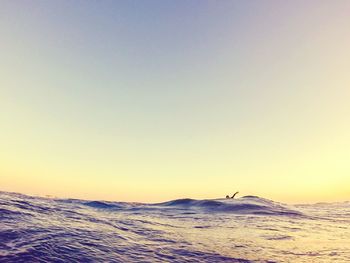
(247,229)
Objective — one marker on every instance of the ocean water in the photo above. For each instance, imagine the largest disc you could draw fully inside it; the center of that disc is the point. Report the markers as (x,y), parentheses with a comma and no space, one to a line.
(246,229)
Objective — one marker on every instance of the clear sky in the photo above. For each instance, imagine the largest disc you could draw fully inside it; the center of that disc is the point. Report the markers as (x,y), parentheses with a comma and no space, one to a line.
(155,100)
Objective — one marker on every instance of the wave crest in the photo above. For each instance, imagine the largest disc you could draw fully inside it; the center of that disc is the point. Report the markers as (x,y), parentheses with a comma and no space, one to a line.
(246,204)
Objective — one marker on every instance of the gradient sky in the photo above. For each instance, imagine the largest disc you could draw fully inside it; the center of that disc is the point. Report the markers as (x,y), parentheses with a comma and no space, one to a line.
(155,100)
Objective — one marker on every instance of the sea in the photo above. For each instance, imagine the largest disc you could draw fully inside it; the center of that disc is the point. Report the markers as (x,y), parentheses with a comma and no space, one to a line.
(245,229)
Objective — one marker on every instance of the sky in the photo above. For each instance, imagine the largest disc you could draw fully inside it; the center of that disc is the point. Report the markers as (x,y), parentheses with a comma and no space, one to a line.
(155,100)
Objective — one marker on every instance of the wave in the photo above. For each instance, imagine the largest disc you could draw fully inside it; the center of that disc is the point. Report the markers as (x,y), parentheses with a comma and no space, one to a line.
(246,204)
(102,205)
(249,204)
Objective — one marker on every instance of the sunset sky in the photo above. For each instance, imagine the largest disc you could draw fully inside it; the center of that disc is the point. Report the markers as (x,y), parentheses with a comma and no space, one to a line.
(155,100)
